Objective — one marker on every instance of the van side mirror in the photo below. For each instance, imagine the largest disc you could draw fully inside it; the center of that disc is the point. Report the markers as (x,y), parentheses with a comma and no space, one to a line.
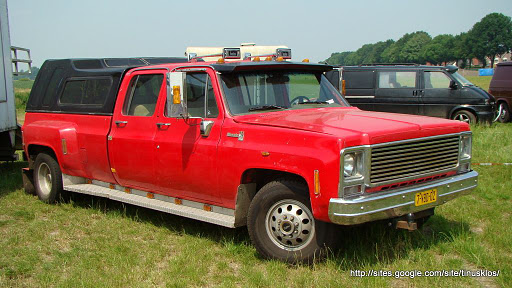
(453,84)
(176,104)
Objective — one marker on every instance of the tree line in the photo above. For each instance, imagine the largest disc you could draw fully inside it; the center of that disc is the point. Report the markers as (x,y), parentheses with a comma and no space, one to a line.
(490,37)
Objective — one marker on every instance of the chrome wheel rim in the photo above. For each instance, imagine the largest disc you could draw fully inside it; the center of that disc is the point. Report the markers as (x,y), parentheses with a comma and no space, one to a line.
(44,179)
(290,225)
(502,111)
(462,117)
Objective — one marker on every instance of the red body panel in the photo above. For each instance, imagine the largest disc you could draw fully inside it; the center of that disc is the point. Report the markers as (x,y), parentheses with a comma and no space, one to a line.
(86,141)
(177,161)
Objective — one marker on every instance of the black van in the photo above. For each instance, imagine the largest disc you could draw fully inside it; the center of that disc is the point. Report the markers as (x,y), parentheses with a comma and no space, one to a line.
(414,89)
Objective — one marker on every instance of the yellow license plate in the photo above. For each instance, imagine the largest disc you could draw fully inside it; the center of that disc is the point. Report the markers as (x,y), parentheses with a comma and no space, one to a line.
(425,197)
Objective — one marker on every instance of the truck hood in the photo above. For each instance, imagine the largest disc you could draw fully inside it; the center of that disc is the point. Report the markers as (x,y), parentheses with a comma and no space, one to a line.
(350,122)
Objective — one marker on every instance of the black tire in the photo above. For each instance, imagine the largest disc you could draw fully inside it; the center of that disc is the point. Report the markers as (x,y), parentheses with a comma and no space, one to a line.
(270,225)
(505,112)
(47,178)
(464,116)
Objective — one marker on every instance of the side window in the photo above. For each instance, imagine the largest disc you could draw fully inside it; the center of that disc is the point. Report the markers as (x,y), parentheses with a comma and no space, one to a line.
(143,94)
(73,92)
(436,80)
(85,91)
(397,79)
(199,91)
(51,90)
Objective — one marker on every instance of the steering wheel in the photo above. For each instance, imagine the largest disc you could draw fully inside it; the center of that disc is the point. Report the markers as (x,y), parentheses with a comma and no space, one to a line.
(298,99)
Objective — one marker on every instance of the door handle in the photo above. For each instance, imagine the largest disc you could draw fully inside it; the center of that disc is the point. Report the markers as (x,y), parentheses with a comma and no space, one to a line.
(163,124)
(121,122)
(415,93)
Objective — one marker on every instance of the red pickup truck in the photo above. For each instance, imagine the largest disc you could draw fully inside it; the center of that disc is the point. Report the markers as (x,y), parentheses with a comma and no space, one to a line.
(267,144)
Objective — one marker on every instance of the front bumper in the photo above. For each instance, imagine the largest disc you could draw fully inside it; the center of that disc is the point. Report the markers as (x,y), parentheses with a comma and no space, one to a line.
(398,202)
(485,117)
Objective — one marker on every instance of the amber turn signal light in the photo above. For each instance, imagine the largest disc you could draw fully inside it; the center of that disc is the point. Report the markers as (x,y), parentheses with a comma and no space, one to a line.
(176,94)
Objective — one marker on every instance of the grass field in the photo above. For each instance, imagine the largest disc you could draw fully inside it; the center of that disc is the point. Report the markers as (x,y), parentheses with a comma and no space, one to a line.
(94,242)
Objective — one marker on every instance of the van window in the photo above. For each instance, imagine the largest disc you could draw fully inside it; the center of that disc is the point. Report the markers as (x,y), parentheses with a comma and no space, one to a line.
(86,91)
(435,80)
(143,94)
(397,79)
(359,79)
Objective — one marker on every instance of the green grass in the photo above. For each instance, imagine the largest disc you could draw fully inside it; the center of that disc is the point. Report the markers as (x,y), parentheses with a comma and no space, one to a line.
(24,83)
(94,242)
(481,81)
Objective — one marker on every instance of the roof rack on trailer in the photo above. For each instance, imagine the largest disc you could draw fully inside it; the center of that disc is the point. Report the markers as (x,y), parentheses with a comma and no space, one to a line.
(389,64)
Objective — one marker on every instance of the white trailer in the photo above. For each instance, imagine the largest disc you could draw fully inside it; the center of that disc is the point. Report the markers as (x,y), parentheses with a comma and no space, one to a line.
(8,124)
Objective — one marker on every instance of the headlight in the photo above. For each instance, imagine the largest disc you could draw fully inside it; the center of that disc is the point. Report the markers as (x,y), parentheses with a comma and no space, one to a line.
(349,162)
(465,147)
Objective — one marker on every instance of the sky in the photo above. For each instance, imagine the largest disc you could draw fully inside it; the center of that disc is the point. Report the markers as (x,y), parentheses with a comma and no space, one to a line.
(54,29)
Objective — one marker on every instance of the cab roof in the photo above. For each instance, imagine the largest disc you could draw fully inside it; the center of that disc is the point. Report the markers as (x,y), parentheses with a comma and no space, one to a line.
(232,67)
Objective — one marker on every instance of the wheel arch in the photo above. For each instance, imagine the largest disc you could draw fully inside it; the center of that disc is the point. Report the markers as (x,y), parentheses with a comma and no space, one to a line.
(35,149)
(466,108)
(251,181)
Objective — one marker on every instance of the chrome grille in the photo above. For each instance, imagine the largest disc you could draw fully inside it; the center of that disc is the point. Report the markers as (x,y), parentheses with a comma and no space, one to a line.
(404,160)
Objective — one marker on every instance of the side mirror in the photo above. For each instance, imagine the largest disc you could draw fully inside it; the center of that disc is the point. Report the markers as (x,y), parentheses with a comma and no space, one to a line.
(176,95)
(453,85)
(206,127)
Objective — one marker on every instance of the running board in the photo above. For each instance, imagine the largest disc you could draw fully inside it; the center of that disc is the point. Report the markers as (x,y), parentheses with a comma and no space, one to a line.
(209,213)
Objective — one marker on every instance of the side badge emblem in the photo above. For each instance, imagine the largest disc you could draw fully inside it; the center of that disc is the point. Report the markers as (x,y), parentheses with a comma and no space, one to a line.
(239,135)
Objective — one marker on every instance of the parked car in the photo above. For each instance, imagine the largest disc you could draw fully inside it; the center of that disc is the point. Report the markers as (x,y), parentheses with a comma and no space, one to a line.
(270,145)
(501,89)
(413,89)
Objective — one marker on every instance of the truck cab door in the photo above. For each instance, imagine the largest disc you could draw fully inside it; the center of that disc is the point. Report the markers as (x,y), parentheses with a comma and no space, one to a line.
(186,143)
(131,139)
(438,97)
(397,91)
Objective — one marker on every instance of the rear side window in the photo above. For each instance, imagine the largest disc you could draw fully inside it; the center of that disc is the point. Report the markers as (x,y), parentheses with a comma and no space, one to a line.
(86,91)
(359,79)
(51,90)
(397,79)
(143,95)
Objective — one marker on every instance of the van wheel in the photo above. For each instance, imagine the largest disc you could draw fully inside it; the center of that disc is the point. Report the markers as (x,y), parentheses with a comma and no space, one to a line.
(504,113)
(281,224)
(47,178)
(464,116)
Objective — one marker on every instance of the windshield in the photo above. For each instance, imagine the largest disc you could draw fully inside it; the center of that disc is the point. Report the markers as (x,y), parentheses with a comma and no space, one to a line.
(278,90)
(462,80)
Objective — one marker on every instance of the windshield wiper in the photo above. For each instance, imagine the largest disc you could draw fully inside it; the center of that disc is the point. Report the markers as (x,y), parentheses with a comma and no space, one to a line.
(314,102)
(266,107)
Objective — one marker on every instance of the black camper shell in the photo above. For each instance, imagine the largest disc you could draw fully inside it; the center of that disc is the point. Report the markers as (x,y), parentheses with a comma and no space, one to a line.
(83,86)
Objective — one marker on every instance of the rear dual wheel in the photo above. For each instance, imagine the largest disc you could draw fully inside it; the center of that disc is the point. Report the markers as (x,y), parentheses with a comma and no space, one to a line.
(281,224)
(47,178)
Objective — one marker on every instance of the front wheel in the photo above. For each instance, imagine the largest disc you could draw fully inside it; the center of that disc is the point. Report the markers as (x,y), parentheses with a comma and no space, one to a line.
(281,224)
(464,116)
(47,178)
